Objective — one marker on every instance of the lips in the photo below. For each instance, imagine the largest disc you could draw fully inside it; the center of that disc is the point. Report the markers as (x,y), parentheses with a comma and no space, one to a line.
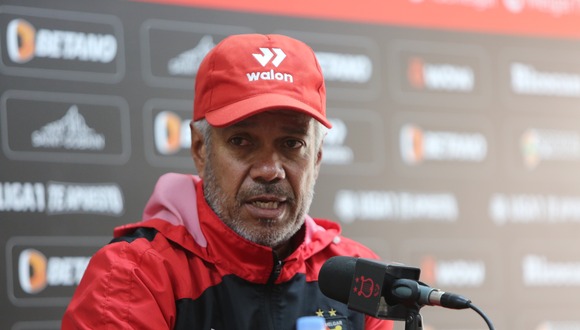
(266,207)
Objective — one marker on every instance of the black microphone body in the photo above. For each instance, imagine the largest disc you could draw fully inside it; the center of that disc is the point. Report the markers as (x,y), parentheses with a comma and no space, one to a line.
(381,290)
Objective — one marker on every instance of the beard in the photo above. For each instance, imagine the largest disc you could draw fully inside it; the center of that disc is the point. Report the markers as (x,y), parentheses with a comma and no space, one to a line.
(268,233)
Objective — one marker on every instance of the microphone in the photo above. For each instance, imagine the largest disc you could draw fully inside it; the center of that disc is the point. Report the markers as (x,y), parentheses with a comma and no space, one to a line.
(379,289)
(403,288)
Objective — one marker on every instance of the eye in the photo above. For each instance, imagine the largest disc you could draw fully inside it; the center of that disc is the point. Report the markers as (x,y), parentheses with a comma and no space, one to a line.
(293,144)
(239,141)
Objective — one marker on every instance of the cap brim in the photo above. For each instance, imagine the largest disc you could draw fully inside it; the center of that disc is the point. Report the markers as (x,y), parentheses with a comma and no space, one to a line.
(240,110)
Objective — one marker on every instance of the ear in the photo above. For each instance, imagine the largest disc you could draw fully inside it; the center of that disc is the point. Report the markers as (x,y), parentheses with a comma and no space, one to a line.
(318,162)
(198,150)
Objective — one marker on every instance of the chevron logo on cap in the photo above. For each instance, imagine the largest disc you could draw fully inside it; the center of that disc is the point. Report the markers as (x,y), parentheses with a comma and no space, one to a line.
(268,54)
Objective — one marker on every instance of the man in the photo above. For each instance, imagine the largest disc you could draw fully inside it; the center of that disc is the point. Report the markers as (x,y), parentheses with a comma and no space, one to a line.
(232,248)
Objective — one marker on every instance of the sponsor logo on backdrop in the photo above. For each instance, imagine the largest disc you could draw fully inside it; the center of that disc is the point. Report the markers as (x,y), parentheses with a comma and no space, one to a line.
(167,135)
(32,271)
(539,145)
(418,145)
(172,51)
(447,77)
(44,271)
(62,44)
(350,64)
(345,68)
(70,132)
(465,266)
(58,127)
(549,7)
(22,197)
(533,208)
(85,198)
(392,206)
(187,63)
(555,8)
(558,325)
(539,80)
(539,271)
(171,133)
(24,42)
(442,74)
(475,4)
(20,41)
(36,272)
(350,126)
(335,149)
(54,198)
(529,80)
(456,272)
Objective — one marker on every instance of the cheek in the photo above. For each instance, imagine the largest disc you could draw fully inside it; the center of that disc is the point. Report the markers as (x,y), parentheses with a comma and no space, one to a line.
(302,178)
(229,174)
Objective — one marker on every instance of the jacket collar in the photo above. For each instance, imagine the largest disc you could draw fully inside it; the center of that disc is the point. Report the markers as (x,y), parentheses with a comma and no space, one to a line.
(179,211)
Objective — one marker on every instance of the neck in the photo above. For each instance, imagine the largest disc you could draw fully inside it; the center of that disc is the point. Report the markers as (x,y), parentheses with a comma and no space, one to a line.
(283,250)
(286,248)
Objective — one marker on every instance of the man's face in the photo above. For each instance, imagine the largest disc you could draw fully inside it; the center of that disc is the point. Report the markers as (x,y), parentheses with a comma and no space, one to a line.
(259,175)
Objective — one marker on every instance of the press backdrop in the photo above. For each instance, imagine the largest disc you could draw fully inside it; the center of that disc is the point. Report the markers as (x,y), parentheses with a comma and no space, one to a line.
(455,147)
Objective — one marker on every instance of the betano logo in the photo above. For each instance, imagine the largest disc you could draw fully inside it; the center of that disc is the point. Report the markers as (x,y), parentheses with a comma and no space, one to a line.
(171,133)
(20,39)
(36,272)
(32,271)
(347,68)
(24,42)
(439,77)
(411,144)
(417,145)
(266,57)
(453,272)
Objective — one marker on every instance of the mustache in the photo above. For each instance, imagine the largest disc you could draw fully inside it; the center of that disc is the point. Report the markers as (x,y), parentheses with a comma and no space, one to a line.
(257,189)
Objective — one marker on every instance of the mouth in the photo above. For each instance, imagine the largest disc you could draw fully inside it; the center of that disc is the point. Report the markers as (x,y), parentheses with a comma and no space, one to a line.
(266,207)
(269,205)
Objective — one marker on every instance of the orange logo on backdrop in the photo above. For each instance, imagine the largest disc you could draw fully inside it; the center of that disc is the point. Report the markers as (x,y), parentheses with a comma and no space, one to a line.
(32,271)
(428,274)
(415,73)
(20,40)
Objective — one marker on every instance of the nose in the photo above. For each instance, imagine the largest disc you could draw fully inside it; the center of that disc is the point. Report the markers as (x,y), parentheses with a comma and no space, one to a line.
(268,167)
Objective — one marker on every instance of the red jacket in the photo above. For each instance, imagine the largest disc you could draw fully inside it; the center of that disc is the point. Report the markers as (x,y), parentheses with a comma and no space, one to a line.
(183,268)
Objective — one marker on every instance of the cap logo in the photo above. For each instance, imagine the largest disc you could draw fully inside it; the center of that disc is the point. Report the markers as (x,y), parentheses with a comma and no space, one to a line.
(266,57)
(268,54)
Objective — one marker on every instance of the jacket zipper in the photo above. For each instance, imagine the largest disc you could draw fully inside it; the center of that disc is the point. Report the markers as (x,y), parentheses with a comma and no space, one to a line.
(270,290)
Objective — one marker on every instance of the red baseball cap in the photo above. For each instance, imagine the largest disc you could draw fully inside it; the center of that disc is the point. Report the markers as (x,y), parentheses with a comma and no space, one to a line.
(246,74)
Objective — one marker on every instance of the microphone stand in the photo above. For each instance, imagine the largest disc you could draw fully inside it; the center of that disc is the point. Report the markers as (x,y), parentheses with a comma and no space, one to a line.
(406,311)
(402,304)
(414,320)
